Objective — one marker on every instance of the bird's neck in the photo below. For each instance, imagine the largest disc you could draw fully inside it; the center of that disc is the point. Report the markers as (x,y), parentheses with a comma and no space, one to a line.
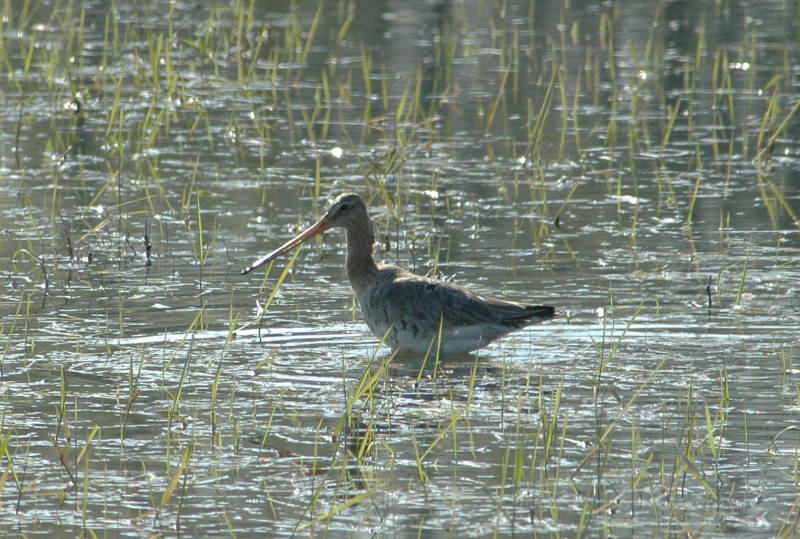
(360,265)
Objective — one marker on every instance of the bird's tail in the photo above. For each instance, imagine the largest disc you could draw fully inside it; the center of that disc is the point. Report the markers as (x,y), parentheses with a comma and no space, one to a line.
(533,314)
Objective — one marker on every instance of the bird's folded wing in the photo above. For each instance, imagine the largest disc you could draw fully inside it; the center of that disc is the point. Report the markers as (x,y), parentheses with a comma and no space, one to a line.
(425,299)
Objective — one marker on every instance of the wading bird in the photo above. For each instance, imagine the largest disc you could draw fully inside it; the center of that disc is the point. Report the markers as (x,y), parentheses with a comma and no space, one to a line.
(410,311)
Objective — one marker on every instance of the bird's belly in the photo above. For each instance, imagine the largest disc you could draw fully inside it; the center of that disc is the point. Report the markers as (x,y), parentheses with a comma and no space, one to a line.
(411,337)
(398,331)
(406,336)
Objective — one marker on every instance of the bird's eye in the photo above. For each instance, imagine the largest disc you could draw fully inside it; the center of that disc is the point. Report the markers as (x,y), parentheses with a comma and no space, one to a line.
(344,207)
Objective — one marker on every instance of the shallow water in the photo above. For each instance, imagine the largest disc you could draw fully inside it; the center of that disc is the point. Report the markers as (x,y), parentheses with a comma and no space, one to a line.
(159,398)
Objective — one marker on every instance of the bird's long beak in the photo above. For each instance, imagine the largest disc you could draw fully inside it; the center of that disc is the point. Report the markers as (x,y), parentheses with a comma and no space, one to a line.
(317,228)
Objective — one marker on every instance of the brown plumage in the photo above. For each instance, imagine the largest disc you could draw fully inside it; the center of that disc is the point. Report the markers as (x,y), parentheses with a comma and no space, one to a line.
(406,308)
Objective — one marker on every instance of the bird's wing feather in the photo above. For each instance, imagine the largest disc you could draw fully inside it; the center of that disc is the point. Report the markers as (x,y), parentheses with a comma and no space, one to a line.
(420,297)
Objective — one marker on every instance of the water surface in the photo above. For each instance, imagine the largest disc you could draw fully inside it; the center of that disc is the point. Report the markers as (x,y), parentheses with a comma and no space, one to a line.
(633,167)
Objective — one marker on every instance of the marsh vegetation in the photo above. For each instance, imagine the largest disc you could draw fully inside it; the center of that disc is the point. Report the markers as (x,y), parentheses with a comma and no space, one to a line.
(636,168)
